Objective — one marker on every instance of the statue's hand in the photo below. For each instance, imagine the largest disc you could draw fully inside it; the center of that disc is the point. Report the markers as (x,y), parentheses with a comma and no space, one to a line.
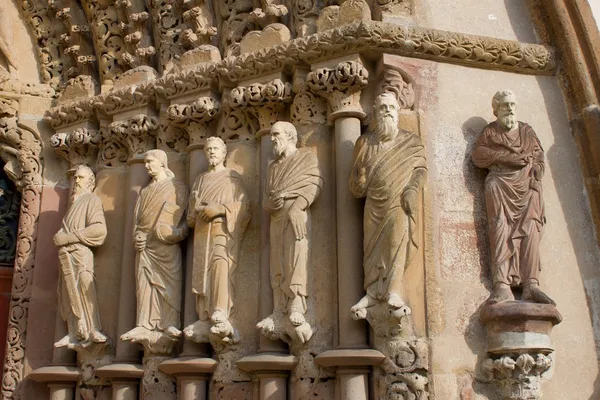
(410,201)
(61,239)
(536,172)
(362,177)
(211,211)
(297,219)
(513,160)
(139,241)
(275,202)
(535,184)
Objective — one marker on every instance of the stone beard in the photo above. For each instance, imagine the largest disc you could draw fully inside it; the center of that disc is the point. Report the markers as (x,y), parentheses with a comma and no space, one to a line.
(83,227)
(514,204)
(217,246)
(388,170)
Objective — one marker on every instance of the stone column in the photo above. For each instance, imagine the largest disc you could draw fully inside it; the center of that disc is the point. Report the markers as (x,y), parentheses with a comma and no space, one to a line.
(194,366)
(341,86)
(135,129)
(266,100)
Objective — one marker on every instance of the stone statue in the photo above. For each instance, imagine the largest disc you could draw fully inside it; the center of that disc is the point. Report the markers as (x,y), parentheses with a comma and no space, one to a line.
(7,50)
(82,227)
(219,211)
(389,169)
(293,183)
(512,153)
(159,226)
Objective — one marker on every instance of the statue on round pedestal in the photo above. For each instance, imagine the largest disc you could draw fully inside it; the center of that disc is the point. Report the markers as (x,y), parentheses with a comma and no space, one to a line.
(219,212)
(83,227)
(159,227)
(513,154)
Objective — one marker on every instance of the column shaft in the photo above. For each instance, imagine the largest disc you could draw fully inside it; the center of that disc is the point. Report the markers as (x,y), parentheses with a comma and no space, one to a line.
(62,391)
(192,388)
(127,351)
(352,334)
(124,390)
(273,388)
(353,384)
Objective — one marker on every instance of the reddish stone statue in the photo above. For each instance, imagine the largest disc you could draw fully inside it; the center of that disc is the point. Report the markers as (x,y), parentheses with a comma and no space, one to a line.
(512,153)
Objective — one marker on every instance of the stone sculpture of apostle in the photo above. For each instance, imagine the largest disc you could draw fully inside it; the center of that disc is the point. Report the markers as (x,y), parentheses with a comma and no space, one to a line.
(389,170)
(83,227)
(159,227)
(219,212)
(293,183)
(512,153)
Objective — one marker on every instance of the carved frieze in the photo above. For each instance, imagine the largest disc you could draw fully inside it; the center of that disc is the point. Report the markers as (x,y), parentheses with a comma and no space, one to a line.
(124,99)
(167,23)
(134,23)
(235,23)
(70,113)
(20,148)
(112,152)
(519,376)
(77,147)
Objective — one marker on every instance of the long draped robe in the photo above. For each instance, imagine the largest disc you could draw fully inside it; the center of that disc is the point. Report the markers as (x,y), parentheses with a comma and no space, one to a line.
(217,243)
(390,235)
(515,210)
(84,219)
(294,176)
(158,212)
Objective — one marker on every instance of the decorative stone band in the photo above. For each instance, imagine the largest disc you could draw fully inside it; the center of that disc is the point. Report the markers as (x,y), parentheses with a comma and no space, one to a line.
(341,86)
(71,113)
(128,98)
(137,134)
(264,100)
(77,147)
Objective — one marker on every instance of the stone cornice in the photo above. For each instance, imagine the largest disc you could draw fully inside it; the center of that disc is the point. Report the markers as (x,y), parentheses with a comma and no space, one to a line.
(410,41)
(70,113)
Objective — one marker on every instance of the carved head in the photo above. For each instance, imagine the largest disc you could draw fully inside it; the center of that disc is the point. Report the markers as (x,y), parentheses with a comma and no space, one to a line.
(84,180)
(384,119)
(284,136)
(157,165)
(504,105)
(215,150)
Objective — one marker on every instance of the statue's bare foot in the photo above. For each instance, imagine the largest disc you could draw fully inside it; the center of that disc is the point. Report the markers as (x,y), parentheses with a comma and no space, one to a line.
(501,293)
(134,334)
(394,300)
(296,317)
(359,310)
(223,329)
(97,337)
(172,332)
(535,295)
(218,317)
(81,333)
(267,324)
(65,341)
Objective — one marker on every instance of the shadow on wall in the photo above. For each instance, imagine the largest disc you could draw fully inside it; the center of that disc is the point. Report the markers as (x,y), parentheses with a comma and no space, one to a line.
(474,178)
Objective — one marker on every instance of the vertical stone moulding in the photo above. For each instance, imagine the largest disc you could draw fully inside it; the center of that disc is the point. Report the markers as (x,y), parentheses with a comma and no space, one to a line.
(519,347)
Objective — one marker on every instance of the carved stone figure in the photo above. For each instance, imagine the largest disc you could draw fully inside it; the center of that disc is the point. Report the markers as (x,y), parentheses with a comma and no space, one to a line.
(83,227)
(389,170)
(293,183)
(219,211)
(158,229)
(7,40)
(513,154)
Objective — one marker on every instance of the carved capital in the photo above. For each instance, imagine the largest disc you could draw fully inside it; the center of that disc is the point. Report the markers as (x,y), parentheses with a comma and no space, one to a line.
(341,86)
(137,134)
(125,99)
(519,376)
(264,101)
(77,147)
(195,117)
(70,113)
